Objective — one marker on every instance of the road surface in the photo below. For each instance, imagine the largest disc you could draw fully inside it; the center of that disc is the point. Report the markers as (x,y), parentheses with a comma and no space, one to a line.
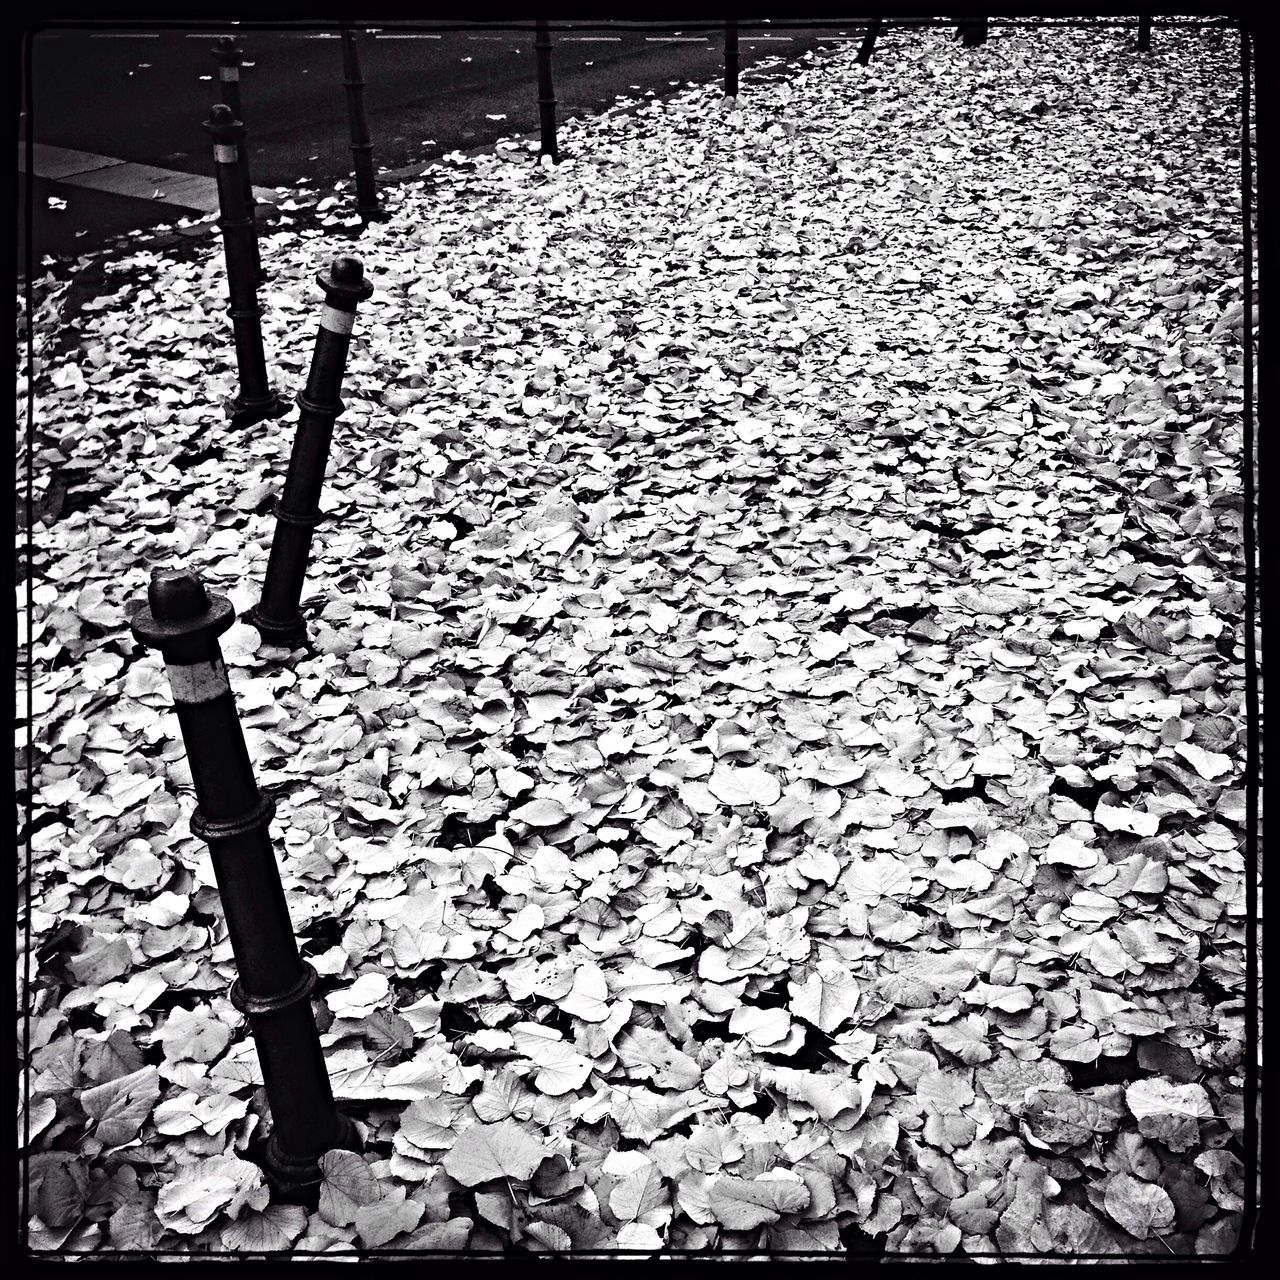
(137,97)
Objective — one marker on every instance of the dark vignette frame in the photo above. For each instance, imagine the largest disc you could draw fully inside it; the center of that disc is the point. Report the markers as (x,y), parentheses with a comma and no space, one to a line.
(1254,39)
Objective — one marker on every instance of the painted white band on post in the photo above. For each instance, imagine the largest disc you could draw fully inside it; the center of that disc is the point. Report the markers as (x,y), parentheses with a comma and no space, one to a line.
(197,681)
(229,73)
(224,154)
(337,321)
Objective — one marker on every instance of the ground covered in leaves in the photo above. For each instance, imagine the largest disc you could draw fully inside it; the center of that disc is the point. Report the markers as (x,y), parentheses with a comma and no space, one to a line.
(768,771)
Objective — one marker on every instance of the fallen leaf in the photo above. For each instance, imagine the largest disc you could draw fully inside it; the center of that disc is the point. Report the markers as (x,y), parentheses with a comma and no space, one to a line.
(487,1151)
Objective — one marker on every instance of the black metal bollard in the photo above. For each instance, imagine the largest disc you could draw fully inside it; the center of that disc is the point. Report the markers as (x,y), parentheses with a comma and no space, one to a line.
(1144,33)
(973,31)
(869,41)
(546,92)
(276,615)
(256,400)
(273,983)
(731,59)
(361,146)
(229,57)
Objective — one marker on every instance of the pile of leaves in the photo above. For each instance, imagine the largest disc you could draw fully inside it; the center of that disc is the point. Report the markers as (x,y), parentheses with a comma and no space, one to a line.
(767,771)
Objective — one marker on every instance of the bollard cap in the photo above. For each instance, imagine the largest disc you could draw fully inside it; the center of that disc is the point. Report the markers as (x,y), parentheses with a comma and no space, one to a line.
(345,284)
(178,607)
(176,595)
(227,52)
(222,125)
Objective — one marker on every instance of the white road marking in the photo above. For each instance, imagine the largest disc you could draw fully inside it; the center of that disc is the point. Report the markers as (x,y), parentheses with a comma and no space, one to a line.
(406,35)
(124,35)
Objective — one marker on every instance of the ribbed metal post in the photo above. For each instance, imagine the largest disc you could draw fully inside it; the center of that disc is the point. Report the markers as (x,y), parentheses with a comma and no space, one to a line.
(361,146)
(276,615)
(1144,33)
(869,41)
(546,92)
(230,57)
(273,984)
(731,59)
(256,400)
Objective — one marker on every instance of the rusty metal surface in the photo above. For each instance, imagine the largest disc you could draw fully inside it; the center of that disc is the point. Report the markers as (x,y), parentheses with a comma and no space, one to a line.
(277,615)
(361,143)
(257,400)
(546,91)
(273,984)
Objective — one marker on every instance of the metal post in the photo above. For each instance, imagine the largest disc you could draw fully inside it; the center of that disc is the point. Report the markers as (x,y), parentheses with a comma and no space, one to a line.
(361,146)
(256,400)
(731,60)
(273,984)
(973,31)
(546,93)
(1144,33)
(229,57)
(869,41)
(276,615)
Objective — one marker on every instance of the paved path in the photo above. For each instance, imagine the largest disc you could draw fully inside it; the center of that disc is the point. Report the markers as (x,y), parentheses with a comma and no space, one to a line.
(83,169)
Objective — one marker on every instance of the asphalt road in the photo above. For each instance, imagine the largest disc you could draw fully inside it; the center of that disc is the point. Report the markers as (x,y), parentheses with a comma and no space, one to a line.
(142,95)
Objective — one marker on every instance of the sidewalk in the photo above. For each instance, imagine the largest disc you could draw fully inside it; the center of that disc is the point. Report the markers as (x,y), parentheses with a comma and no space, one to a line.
(773,737)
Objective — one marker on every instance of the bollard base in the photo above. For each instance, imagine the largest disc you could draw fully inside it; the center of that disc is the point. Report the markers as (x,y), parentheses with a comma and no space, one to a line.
(371,213)
(289,632)
(297,1181)
(244,412)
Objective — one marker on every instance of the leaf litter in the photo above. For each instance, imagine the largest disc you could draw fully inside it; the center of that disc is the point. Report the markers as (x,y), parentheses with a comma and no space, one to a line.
(769,768)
